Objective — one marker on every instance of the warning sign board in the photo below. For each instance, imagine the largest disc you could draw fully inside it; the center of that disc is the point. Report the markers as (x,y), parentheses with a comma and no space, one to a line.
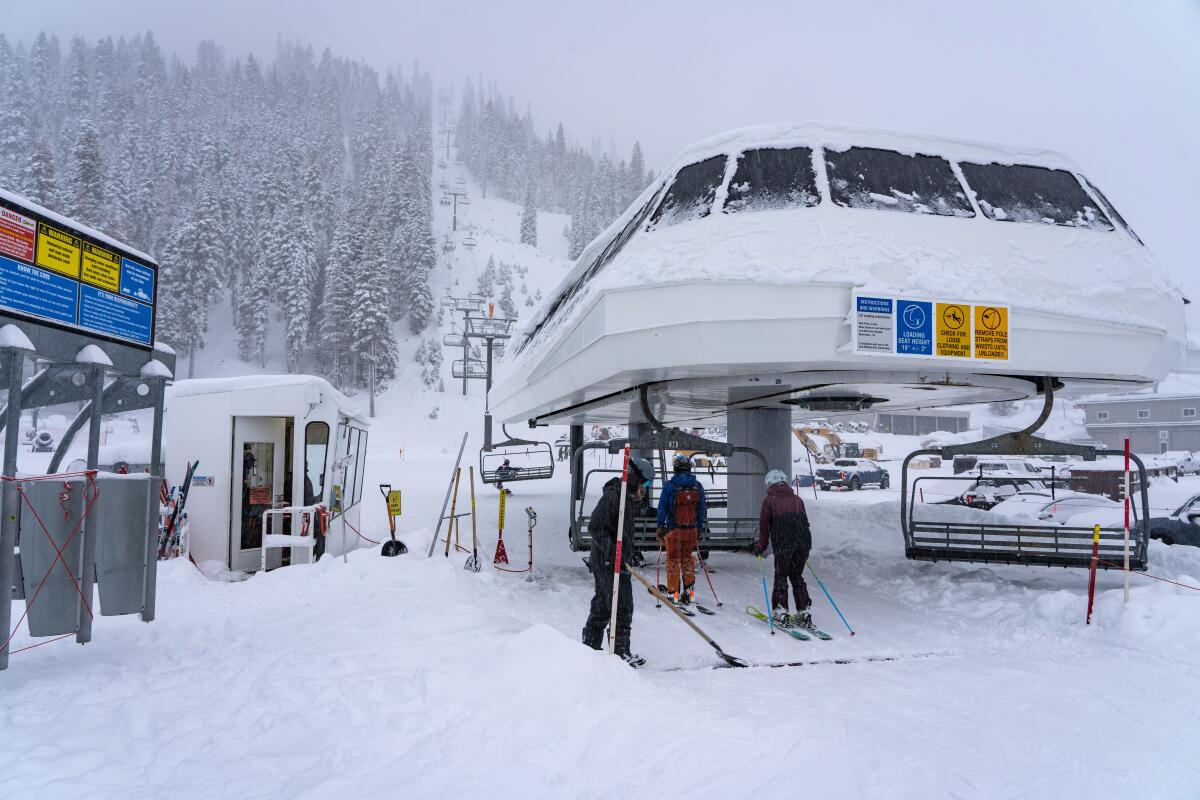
(101,267)
(393,502)
(17,233)
(58,250)
(953,330)
(502,504)
(56,274)
(991,332)
(899,326)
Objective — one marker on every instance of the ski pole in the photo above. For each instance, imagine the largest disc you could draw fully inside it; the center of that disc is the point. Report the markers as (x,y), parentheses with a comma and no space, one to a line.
(707,577)
(612,622)
(830,597)
(658,572)
(762,567)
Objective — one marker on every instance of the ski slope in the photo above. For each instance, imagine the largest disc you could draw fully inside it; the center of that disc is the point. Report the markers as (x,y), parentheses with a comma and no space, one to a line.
(355,678)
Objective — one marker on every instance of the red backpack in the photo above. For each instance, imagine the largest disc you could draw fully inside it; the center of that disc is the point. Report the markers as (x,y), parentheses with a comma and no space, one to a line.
(687,503)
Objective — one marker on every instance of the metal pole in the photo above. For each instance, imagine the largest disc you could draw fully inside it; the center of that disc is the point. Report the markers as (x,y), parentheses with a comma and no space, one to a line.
(489,364)
(87,569)
(372,377)
(1128,500)
(616,591)
(157,475)
(466,351)
(8,526)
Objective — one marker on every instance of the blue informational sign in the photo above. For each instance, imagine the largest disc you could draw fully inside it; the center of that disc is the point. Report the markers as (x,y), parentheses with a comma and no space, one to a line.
(37,292)
(914,328)
(114,315)
(137,281)
(875,305)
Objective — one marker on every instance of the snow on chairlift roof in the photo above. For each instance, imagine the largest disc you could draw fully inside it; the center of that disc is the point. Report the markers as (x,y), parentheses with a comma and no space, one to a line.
(770,229)
(978,261)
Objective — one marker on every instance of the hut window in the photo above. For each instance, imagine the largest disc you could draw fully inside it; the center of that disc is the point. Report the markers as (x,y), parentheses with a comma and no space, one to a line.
(316,449)
(691,194)
(1019,193)
(773,178)
(867,177)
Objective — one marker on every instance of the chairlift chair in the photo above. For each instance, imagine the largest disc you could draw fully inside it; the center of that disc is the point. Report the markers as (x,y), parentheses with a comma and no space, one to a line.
(534,461)
(447,244)
(471,369)
(469,242)
(444,200)
(454,340)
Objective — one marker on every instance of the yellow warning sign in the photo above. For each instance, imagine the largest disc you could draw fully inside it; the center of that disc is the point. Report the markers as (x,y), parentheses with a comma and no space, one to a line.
(393,501)
(991,332)
(58,251)
(502,496)
(101,268)
(953,322)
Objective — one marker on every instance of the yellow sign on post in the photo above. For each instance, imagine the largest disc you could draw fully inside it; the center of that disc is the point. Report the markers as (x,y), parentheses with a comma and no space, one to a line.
(101,268)
(953,323)
(503,495)
(991,332)
(393,502)
(58,251)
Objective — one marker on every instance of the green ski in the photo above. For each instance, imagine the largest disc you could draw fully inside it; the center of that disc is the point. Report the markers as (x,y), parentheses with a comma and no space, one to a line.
(761,617)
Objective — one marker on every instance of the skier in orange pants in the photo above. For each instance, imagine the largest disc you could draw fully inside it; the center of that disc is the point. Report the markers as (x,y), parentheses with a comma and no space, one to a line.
(682,513)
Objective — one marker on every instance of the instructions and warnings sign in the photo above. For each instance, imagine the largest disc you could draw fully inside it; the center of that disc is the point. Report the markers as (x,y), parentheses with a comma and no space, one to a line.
(52,273)
(900,326)
(17,233)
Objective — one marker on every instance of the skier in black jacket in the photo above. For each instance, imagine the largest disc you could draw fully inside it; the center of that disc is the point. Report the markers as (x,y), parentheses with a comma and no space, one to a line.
(602,527)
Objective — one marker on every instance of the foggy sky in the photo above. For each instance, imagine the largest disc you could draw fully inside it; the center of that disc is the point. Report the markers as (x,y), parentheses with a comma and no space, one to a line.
(1114,85)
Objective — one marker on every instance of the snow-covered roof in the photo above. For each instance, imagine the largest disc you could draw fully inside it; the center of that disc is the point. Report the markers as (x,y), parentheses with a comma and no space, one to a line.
(21,200)
(841,136)
(205,386)
(1175,387)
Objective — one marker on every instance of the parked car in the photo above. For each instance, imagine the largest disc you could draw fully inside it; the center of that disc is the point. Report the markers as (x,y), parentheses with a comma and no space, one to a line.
(1181,527)
(852,474)
(1184,461)
(985,493)
(1070,509)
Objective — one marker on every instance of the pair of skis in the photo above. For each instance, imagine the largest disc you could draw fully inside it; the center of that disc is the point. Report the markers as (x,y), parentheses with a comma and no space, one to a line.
(794,630)
(685,608)
(168,545)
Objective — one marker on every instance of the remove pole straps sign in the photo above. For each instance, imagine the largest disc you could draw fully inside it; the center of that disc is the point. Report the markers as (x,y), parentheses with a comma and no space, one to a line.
(920,328)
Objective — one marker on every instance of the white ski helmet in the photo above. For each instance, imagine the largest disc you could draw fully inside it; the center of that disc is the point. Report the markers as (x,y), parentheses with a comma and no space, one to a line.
(776,476)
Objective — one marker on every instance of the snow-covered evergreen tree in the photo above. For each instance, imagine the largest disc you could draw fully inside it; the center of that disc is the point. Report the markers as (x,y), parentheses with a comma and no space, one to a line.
(529,219)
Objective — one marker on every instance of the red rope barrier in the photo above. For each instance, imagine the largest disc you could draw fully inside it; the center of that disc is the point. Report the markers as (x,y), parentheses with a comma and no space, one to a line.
(1155,577)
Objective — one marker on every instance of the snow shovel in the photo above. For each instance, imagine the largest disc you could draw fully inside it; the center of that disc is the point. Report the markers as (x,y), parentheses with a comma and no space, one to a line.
(732,661)
(393,547)
(473,560)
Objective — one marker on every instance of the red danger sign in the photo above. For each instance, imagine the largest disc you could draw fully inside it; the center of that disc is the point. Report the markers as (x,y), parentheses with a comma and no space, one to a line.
(17,232)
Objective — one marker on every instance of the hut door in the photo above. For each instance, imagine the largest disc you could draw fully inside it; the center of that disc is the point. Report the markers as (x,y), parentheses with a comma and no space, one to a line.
(259,445)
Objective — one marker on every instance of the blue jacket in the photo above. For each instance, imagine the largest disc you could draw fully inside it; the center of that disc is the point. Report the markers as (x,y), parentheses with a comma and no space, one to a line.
(666,503)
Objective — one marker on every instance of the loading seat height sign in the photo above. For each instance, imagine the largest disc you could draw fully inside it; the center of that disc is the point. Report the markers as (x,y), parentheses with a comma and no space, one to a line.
(899,326)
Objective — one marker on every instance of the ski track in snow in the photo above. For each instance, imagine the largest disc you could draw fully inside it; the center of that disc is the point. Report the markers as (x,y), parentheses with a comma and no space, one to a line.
(413,677)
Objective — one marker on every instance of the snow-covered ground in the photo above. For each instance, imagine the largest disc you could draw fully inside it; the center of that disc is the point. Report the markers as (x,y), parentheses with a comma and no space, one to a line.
(413,677)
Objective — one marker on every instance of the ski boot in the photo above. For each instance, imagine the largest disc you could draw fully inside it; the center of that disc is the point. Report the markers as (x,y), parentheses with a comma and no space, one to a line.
(804,620)
(632,659)
(782,618)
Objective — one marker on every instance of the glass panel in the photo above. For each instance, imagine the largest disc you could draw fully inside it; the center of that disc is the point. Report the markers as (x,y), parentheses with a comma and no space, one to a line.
(362,466)
(316,448)
(691,194)
(866,177)
(1018,193)
(258,489)
(769,178)
(1112,211)
(351,468)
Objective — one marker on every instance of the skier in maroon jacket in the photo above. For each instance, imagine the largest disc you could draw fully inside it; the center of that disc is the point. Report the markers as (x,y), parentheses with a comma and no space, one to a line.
(784,523)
